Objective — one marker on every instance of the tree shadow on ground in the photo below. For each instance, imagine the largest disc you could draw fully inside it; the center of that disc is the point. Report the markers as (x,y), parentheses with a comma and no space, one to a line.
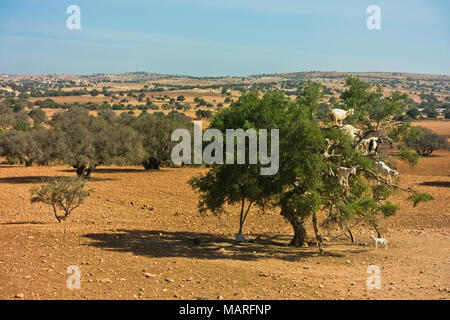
(439,184)
(22,223)
(40,179)
(110,170)
(158,244)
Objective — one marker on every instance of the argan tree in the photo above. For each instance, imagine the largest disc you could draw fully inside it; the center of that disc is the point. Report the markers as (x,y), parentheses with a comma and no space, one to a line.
(311,151)
(62,194)
(155,131)
(92,141)
(426,141)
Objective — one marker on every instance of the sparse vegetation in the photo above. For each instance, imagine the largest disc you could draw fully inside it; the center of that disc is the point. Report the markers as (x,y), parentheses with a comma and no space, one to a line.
(62,194)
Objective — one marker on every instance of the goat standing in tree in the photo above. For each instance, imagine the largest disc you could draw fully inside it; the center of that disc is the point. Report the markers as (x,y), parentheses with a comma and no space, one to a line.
(340,115)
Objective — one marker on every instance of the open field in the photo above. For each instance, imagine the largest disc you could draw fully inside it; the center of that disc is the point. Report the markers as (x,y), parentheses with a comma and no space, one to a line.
(127,251)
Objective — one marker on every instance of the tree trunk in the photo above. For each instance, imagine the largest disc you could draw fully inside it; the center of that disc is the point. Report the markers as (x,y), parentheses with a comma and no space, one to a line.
(28,163)
(56,214)
(89,171)
(298,224)
(299,227)
(318,236)
(378,230)
(151,163)
(350,232)
(80,170)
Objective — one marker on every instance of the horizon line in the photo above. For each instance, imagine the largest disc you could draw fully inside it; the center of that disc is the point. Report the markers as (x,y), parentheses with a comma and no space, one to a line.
(223,76)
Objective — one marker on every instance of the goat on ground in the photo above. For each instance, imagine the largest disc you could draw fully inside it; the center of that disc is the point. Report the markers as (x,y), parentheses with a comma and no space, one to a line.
(381,241)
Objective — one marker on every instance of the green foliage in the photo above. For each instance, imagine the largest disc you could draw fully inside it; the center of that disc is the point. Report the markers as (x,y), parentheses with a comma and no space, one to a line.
(65,194)
(38,146)
(155,131)
(203,114)
(306,181)
(38,116)
(22,125)
(92,141)
(418,197)
(425,141)
(413,112)
(447,113)
(388,209)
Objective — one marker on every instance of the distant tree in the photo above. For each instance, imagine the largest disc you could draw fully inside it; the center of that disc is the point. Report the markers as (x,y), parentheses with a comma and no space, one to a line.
(38,146)
(426,141)
(181,98)
(38,116)
(92,141)
(22,125)
(203,114)
(109,115)
(447,113)
(413,112)
(431,113)
(156,130)
(95,93)
(63,194)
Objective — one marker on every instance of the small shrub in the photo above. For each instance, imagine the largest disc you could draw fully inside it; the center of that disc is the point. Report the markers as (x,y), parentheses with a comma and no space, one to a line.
(63,194)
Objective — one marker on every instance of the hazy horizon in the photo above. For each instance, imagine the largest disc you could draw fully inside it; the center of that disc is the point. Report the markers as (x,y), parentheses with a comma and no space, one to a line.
(218,76)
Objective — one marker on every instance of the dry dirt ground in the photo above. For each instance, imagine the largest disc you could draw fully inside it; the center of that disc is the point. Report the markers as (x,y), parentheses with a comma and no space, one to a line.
(133,239)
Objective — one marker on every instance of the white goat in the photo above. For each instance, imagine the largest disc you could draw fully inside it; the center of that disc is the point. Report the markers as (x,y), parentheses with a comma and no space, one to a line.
(382,241)
(370,145)
(343,174)
(339,115)
(351,131)
(384,171)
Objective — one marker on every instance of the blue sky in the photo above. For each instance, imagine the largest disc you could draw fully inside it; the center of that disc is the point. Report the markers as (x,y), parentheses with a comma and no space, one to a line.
(224,37)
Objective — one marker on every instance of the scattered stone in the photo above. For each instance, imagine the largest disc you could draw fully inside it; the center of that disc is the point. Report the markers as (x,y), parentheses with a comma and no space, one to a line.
(219,298)
(150,275)
(19,296)
(202,298)
(169,280)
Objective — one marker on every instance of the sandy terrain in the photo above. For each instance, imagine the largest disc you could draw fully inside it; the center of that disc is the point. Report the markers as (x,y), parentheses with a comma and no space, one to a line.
(126,251)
